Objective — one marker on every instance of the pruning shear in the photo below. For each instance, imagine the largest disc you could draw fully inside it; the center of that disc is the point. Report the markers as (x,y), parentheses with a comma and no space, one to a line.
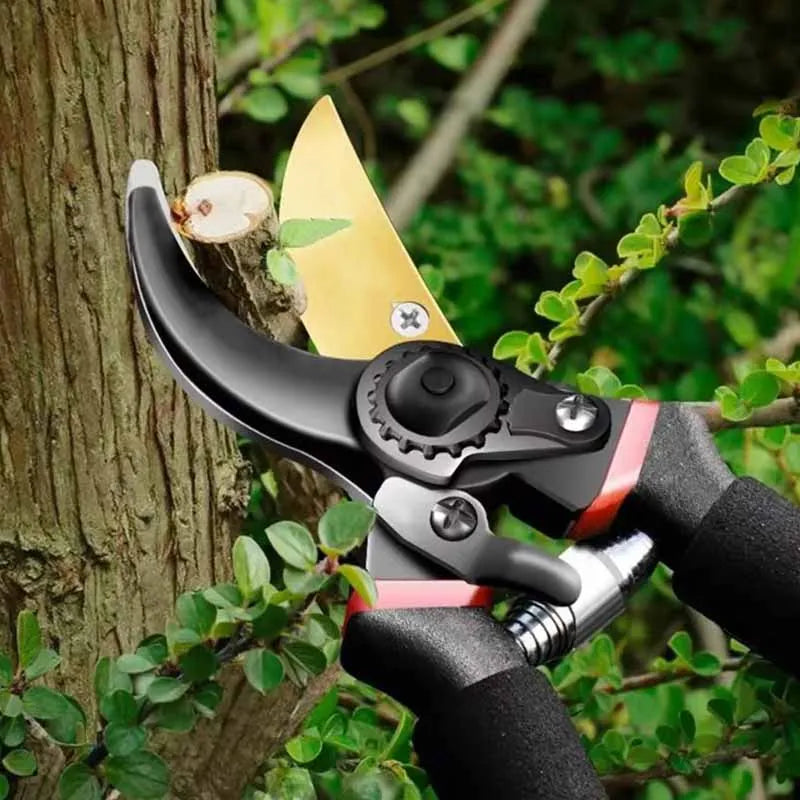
(436,436)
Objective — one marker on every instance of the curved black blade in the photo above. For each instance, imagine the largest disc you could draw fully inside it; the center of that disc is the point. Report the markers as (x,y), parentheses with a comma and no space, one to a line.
(296,402)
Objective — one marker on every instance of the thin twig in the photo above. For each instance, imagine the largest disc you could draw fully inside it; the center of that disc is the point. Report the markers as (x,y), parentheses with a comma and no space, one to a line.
(783,411)
(424,36)
(595,307)
(285,50)
(469,100)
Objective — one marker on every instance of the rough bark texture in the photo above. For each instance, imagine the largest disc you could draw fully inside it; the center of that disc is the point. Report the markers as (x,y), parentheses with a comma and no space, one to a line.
(116,494)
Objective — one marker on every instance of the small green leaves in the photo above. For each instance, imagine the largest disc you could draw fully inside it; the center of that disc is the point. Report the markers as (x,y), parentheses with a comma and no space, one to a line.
(306,747)
(263,669)
(344,526)
(294,544)
(553,306)
(731,406)
(759,388)
(78,782)
(134,663)
(122,740)
(264,104)
(20,762)
(633,244)
(780,132)
(590,269)
(120,707)
(788,373)
(454,52)
(268,625)
(250,567)
(305,655)
(698,195)
(40,702)
(10,704)
(750,168)
(46,661)
(195,612)
(198,664)
(536,349)
(281,266)
(510,345)
(142,775)
(361,582)
(166,690)
(29,638)
(305,232)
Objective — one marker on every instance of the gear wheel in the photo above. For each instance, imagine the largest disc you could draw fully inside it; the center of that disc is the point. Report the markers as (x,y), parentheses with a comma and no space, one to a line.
(432,397)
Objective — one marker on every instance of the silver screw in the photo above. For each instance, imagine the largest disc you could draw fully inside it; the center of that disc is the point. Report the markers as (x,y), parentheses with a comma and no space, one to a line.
(454,518)
(576,413)
(409,319)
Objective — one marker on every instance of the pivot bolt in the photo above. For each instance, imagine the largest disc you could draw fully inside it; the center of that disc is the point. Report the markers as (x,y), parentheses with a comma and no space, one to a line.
(409,319)
(576,413)
(454,518)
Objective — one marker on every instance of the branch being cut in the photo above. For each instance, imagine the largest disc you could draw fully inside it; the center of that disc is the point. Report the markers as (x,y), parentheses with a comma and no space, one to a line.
(230,219)
(469,100)
(783,411)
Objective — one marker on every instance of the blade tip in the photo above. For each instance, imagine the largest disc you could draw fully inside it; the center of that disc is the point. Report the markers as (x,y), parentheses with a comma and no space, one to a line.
(143,172)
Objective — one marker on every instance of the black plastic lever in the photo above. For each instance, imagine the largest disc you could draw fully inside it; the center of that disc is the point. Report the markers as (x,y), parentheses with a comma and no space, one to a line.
(451,529)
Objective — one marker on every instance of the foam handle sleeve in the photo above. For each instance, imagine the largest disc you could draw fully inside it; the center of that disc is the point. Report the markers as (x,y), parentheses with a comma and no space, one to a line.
(509,737)
(742,569)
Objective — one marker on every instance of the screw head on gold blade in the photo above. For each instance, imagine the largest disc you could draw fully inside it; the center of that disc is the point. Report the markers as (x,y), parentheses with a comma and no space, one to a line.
(364,292)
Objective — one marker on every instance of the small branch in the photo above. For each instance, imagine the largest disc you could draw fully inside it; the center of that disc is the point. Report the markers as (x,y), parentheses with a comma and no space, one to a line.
(783,411)
(469,100)
(663,770)
(424,36)
(238,66)
(593,309)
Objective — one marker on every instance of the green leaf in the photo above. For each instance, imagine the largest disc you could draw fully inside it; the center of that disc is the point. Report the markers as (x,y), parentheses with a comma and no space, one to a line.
(641,757)
(510,345)
(730,405)
(271,623)
(166,690)
(198,664)
(634,244)
(722,708)
(302,583)
(44,662)
(78,782)
(10,704)
(759,388)
(344,526)
(108,677)
(758,152)
(265,104)
(788,158)
(785,177)
(263,669)
(29,638)
(195,612)
(767,106)
(361,582)
(13,731)
(40,702)
(566,330)
(693,182)
(779,132)
(681,644)
(250,567)
(304,748)
(207,697)
(282,267)
(139,776)
(415,113)
(120,707)
(178,716)
(741,326)
(5,787)
(536,349)
(554,307)
(740,170)
(630,391)
(6,670)
(369,16)
(305,655)
(454,52)
(20,762)
(299,77)
(590,269)
(294,544)
(599,381)
(122,740)
(304,232)
(668,736)
(134,663)
(696,228)
(224,595)
(688,725)
(706,664)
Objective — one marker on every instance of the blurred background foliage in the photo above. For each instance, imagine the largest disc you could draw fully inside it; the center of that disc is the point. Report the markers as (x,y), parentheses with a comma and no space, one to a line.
(595,124)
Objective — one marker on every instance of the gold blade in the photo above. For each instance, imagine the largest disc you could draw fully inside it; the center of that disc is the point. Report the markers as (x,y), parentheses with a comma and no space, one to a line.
(364,292)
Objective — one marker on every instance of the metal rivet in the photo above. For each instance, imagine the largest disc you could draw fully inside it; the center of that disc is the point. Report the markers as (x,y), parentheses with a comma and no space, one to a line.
(454,518)
(409,319)
(576,413)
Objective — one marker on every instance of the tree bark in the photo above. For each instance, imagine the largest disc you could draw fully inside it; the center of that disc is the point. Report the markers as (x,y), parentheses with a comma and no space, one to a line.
(115,493)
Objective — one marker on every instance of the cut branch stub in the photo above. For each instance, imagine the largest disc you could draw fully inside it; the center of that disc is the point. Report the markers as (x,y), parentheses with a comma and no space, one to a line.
(231,220)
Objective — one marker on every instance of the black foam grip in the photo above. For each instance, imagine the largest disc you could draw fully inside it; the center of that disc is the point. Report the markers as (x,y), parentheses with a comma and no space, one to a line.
(489,724)
(508,736)
(742,569)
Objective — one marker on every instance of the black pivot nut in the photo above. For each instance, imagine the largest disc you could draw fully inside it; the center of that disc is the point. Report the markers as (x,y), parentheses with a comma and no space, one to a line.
(437,392)
(454,518)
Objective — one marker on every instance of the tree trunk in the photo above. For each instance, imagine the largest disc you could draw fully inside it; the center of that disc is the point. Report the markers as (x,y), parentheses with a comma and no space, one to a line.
(115,493)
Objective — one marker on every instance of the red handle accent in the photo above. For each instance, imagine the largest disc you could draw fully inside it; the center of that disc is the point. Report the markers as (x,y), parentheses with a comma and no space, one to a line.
(623,472)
